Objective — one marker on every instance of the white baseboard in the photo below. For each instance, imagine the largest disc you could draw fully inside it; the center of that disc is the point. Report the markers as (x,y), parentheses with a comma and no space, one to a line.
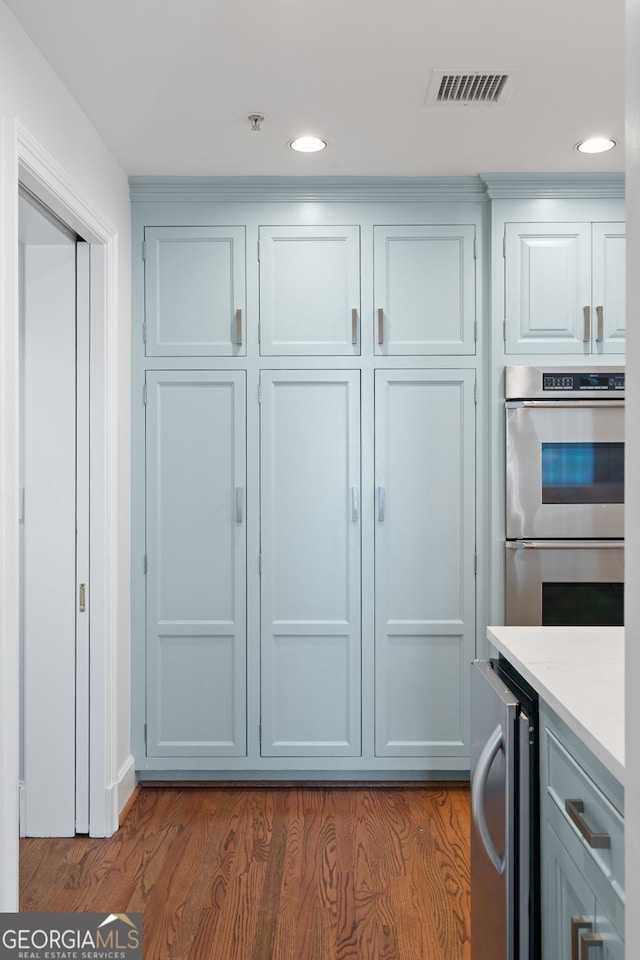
(22,808)
(124,787)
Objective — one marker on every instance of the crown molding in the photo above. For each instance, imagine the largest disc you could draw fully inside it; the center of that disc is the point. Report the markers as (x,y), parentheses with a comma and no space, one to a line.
(306,189)
(553,185)
(486,186)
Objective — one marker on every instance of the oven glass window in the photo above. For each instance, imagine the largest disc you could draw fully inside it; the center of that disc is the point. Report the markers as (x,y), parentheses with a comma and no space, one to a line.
(582,604)
(583,472)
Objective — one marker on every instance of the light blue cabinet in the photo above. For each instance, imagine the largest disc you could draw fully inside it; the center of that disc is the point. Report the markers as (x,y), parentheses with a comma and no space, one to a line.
(424,559)
(310,563)
(582,847)
(196,564)
(564,288)
(424,290)
(576,923)
(310,290)
(195,298)
(297,362)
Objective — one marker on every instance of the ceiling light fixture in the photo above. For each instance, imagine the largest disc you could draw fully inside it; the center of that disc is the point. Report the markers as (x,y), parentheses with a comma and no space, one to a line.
(307,144)
(596,145)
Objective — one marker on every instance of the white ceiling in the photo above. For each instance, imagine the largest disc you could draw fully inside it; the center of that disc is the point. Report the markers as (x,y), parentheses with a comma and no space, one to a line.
(169,83)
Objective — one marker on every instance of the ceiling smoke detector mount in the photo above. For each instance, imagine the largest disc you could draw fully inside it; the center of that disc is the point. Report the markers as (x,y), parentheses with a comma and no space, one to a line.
(471,88)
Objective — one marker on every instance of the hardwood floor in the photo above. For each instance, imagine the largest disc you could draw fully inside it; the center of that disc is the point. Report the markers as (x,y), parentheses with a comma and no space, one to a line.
(270,872)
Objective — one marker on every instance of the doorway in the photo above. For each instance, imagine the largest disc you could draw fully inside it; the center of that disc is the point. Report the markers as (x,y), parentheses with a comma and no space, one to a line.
(54,524)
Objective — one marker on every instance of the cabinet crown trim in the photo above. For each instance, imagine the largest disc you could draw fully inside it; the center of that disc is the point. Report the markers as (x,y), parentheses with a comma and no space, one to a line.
(553,185)
(306,188)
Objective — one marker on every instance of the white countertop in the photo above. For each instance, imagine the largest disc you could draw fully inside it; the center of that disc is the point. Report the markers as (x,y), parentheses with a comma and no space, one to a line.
(579,672)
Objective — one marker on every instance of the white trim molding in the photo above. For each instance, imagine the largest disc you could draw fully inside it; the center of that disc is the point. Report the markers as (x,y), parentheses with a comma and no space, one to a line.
(9,549)
(124,786)
(23,160)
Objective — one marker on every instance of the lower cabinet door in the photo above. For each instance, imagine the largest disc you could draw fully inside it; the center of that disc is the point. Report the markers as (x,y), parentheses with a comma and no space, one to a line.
(196,564)
(568,904)
(576,923)
(310,563)
(424,560)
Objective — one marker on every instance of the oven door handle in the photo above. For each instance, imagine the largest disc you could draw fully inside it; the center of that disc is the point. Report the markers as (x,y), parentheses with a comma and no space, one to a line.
(564,544)
(556,404)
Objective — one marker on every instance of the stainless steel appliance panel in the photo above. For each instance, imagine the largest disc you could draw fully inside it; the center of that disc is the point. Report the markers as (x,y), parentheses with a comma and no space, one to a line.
(497,803)
(565,469)
(563,383)
(564,582)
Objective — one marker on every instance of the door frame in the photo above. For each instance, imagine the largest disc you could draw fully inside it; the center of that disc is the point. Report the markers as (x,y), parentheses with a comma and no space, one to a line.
(23,160)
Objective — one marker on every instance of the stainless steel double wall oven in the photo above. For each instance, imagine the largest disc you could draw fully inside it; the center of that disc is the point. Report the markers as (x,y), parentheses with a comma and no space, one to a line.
(564,495)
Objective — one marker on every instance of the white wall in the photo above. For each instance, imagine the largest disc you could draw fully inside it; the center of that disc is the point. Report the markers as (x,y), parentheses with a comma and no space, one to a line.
(632,505)
(32,94)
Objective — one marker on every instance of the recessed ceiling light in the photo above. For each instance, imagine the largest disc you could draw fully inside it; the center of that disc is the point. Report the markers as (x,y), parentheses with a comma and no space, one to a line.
(307,144)
(595,145)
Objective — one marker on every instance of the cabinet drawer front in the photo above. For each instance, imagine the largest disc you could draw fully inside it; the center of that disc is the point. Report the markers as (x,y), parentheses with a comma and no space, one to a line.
(567,781)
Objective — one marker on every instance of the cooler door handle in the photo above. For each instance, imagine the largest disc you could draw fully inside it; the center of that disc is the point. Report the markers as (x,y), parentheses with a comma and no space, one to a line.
(490,751)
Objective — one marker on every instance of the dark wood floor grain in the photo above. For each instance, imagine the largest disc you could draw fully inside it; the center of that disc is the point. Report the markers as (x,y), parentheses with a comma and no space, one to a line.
(264,872)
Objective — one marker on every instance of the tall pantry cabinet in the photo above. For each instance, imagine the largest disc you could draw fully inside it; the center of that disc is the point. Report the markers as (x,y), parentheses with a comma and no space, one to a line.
(304,481)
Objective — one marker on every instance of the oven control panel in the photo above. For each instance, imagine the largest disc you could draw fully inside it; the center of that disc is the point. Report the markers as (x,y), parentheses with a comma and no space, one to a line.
(583,381)
(564,383)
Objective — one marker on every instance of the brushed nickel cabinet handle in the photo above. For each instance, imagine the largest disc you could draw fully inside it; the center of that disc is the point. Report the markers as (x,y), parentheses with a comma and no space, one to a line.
(600,316)
(380,504)
(589,942)
(586,336)
(380,326)
(239,504)
(575,809)
(354,325)
(577,924)
(355,505)
(82,602)
(239,327)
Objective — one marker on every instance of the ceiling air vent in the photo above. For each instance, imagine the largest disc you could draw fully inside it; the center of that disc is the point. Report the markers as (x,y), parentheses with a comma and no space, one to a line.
(477,87)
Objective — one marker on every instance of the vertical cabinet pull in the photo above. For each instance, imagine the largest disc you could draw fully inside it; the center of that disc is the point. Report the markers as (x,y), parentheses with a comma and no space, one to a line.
(591,944)
(380,504)
(82,600)
(586,336)
(355,505)
(239,504)
(239,327)
(578,924)
(600,329)
(354,325)
(380,326)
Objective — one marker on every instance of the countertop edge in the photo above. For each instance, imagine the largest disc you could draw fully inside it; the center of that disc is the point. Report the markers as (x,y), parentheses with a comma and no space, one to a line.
(507,640)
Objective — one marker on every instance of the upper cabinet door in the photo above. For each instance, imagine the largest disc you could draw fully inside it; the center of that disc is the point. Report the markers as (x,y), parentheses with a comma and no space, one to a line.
(548,287)
(608,330)
(310,291)
(424,290)
(195,291)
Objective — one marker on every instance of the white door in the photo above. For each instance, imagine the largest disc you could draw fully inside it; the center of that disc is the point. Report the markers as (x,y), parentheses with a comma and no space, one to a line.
(54,517)
(310,543)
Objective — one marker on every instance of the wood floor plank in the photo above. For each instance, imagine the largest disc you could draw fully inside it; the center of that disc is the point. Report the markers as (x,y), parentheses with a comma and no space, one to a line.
(275,872)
